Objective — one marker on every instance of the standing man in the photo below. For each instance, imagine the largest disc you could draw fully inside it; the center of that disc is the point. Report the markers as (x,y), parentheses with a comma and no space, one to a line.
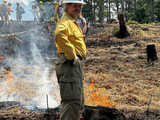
(82,23)
(19,12)
(4,11)
(1,58)
(9,13)
(1,12)
(42,11)
(59,10)
(71,51)
(36,12)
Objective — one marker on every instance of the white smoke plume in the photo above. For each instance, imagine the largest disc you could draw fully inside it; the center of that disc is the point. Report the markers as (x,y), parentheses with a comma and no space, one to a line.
(26,2)
(33,77)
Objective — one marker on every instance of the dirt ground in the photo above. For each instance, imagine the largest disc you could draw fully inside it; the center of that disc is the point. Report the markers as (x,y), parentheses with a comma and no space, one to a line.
(117,71)
(120,67)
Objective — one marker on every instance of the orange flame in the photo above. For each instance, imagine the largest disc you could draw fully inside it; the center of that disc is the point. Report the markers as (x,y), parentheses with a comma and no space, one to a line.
(93,96)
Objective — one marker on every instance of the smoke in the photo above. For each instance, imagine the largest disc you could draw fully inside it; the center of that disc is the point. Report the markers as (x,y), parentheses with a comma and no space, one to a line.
(26,2)
(27,73)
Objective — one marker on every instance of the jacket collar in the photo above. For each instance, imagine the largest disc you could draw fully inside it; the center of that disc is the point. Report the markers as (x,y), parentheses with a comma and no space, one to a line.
(69,17)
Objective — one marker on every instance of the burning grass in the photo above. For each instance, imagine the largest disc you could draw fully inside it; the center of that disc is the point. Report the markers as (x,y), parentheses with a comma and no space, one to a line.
(94,96)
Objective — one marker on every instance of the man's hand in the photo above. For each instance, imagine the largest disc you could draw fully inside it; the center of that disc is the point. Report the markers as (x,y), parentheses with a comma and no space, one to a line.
(76,60)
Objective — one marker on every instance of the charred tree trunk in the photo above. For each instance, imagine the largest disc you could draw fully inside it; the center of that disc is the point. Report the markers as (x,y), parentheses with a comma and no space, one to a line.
(151,53)
(123,32)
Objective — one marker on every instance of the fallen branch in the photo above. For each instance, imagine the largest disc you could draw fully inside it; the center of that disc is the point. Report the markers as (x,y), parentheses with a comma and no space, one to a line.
(11,34)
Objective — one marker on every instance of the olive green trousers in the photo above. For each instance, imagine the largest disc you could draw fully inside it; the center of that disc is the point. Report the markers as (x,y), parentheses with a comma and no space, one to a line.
(70,79)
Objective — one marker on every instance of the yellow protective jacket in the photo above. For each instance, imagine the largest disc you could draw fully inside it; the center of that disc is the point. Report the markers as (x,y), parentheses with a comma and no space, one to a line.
(69,38)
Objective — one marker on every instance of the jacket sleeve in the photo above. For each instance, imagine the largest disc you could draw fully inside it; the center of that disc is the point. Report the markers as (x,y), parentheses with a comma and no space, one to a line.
(61,36)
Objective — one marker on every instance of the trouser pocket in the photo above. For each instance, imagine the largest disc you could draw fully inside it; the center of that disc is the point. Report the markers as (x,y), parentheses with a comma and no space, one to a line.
(70,81)
(70,91)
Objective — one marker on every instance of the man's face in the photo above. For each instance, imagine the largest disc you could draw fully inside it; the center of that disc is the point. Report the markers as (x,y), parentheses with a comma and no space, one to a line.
(74,9)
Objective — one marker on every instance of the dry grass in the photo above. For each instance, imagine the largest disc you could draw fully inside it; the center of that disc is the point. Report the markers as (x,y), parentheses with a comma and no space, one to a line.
(120,67)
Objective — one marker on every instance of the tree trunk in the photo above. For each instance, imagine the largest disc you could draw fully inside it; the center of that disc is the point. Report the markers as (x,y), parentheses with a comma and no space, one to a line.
(135,5)
(101,11)
(152,10)
(151,53)
(117,7)
(122,6)
(91,3)
(109,11)
(123,32)
(94,10)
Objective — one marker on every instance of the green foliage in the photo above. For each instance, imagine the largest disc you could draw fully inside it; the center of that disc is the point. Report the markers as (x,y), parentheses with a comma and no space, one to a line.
(132,22)
(141,15)
(157,11)
(142,11)
(87,12)
(146,11)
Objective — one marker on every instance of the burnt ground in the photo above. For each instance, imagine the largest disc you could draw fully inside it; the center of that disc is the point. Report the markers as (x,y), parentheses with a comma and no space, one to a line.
(120,68)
